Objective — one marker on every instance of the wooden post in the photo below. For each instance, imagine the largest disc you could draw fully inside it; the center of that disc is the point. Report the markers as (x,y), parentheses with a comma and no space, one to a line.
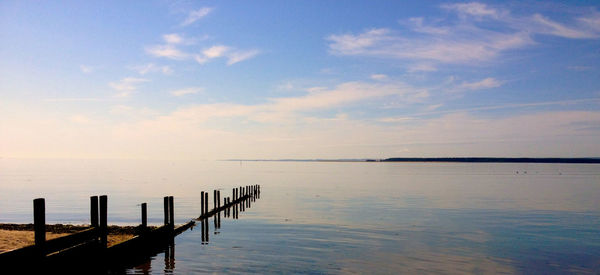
(144,216)
(166,209)
(103,220)
(39,221)
(94,211)
(214,199)
(171,212)
(206,202)
(202,211)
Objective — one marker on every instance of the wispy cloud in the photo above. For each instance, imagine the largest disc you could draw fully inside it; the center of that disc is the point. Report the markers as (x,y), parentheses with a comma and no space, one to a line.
(187,91)
(152,68)
(378,76)
(174,43)
(239,56)
(474,9)
(482,34)
(196,15)
(233,55)
(167,51)
(547,26)
(173,38)
(478,45)
(486,83)
(126,85)
(286,108)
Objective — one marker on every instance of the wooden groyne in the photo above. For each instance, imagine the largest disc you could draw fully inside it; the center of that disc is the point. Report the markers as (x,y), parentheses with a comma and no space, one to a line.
(89,250)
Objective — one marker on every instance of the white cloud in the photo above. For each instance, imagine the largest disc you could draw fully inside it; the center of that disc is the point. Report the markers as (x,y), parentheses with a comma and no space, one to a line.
(173,38)
(466,41)
(187,91)
(196,15)
(215,51)
(378,76)
(239,56)
(473,9)
(285,108)
(486,83)
(417,25)
(174,43)
(462,47)
(233,55)
(126,85)
(348,44)
(152,68)
(547,26)
(168,51)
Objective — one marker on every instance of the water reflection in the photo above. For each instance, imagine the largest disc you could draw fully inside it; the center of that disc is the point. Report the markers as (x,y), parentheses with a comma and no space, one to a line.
(170,258)
(168,250)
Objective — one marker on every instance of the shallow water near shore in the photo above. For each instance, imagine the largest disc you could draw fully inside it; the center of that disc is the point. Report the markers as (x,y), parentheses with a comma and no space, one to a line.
(332,217)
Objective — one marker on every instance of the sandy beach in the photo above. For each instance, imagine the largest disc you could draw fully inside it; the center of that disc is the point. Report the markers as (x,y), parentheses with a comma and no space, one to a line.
(14,236)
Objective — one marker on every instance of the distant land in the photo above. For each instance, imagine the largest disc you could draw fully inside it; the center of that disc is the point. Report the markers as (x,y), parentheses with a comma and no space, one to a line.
(457,159)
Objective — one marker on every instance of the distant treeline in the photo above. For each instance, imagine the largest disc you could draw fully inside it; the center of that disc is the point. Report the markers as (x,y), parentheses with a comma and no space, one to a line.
(506,160)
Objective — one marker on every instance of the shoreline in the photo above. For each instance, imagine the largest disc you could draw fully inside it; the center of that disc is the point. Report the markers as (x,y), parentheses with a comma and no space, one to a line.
(14,236)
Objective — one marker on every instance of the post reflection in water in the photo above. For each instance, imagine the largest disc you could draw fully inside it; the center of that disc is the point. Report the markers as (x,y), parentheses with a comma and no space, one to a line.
(169,247)
(170,257)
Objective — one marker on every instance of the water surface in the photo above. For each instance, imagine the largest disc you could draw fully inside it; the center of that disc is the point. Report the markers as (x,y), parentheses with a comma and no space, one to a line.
(328,217)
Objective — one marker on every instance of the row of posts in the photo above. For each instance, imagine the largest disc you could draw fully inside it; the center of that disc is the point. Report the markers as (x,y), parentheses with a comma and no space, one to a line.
(99,211)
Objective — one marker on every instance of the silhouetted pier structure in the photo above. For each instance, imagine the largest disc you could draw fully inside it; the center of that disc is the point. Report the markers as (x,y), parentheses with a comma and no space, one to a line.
(89,250)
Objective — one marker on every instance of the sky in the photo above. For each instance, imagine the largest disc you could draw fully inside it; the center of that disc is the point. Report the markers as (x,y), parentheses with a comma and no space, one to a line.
(213,80)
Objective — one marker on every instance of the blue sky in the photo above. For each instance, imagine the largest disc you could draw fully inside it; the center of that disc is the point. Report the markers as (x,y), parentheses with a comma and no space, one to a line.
(299,79)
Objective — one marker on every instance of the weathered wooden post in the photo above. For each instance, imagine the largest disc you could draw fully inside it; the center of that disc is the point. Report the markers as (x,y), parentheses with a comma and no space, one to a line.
(206,202)
(171,212)
(104,220)
(144,216)
(94,211)
(39,222)
(214,199)
(166,209)
(202,211)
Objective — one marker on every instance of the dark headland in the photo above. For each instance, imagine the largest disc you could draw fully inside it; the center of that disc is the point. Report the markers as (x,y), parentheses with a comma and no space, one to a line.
(445,159)
(495,160)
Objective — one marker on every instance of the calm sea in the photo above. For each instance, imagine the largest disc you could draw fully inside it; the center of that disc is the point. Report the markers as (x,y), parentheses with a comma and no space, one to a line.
(331,217)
